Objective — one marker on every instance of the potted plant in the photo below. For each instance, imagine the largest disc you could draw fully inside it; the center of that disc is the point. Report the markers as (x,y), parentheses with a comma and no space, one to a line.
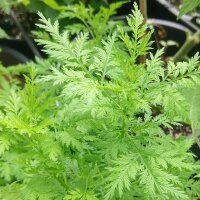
(87,129)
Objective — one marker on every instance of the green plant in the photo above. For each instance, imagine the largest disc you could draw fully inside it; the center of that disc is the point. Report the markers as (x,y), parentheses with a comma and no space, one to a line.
(192,95)
(89,20)
(3,34)
(50,8)
(6,5)
(87,129)
(188,6)
(191,41)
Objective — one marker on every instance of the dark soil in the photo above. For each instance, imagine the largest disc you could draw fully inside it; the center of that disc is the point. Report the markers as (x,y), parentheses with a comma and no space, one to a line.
(176,131)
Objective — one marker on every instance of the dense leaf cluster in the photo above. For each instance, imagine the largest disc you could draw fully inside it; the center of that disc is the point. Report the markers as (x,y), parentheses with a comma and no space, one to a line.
(88,128)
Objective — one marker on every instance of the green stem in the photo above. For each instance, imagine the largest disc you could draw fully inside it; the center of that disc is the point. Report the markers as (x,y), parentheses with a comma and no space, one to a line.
(88,27)
(191,41)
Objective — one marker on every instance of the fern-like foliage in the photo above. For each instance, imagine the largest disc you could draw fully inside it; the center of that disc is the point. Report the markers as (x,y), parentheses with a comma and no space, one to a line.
(87,129)
(97,24)
(138,43)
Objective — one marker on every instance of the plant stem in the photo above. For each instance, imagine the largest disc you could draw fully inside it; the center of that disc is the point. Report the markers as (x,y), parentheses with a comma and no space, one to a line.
(143,9)
(190,42)
(88,27)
